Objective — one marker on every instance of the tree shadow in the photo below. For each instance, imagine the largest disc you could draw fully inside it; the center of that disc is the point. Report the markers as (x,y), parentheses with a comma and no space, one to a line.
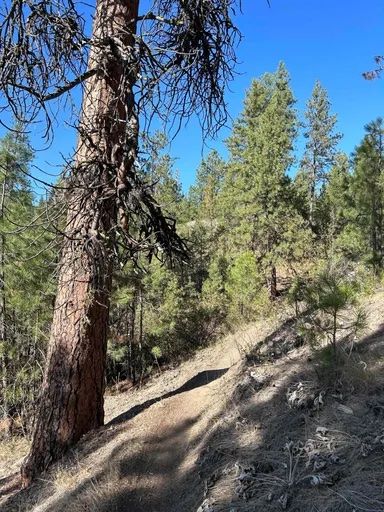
(10,484)
(272,456)
(92,441)
(201,379)
(372,340)
(277,344)
(262,453)
(318,457)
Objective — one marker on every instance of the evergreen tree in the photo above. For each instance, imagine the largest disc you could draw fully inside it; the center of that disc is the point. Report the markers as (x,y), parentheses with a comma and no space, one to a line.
(368,188)
(257,195)
(320,148)
(158,172)
(244,286)
(25,292)
(172,62)
(204,193)
(338,211)
(14,159)
(161,313)
(129,348)
(214,291)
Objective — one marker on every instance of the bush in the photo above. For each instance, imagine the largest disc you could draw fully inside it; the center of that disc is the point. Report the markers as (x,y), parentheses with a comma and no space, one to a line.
(245,288)
(331,299)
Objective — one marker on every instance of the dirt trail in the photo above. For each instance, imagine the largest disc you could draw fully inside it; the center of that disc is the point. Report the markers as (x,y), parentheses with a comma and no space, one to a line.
(144,459)
(172,429)
(164,443)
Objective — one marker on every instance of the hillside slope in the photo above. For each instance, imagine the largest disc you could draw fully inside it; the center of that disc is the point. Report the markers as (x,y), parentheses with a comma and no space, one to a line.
(144,458)
(223,432)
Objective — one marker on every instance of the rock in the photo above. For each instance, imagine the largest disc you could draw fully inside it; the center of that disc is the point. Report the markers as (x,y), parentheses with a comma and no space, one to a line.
(206,506)
(304,395)
(344,409)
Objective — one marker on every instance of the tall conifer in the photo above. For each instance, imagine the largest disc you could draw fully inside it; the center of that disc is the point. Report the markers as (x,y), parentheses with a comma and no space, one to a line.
(321,145)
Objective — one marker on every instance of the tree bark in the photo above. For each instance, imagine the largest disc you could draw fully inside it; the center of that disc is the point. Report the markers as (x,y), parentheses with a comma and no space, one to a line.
(312,195)
(3,327)
(273,287)
(71,400)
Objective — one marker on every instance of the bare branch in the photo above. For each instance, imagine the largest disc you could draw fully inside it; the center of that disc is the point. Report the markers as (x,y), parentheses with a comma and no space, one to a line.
(375,73)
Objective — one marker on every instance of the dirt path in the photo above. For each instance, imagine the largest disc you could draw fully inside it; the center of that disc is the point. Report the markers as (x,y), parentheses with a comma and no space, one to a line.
(148,456)
(144,459)
(153,466)
(172,429)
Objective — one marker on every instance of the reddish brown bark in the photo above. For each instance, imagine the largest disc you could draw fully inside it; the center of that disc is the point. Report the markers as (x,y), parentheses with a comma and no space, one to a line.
(71,401)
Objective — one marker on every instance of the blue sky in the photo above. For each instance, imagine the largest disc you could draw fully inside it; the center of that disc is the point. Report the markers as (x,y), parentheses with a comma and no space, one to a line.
(333,41)
(330,40)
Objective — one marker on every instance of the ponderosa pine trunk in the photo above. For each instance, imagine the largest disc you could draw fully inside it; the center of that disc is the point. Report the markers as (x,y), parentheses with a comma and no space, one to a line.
(312,195)
(273,287)
(3,327)
(71,400)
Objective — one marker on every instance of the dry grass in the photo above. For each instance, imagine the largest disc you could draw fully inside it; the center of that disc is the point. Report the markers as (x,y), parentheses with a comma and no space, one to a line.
(286,449)
(97,491)
(282,430)
(65,477)
(12,450)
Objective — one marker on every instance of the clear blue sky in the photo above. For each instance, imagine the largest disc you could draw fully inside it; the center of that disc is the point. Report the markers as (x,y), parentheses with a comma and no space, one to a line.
(330,40)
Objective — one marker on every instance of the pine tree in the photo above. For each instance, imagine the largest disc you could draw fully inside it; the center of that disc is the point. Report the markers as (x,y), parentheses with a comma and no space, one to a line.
(201,225)
(320,148)
(159,174)
(244,286)
(173,62)
(128,350)
(203,195)
(257,194)
(14,159)
(368,188)
(337,209)
(26,290)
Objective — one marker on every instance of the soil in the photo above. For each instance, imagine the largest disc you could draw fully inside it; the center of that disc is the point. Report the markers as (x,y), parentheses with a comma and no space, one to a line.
(144,459)
(258,421)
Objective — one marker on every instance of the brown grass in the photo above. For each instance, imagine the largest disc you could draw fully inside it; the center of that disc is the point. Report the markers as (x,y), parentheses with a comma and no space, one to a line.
(12,450)
(301,455)
(239,443)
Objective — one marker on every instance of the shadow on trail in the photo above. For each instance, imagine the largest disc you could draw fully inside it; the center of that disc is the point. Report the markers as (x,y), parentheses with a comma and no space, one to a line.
(352,467)
(94,440)
(10,484)
(348,452)
(201,379)
(371,341)
(254,433)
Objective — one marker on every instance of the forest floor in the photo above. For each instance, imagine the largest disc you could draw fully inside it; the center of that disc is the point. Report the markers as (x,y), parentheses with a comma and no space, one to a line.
(255,422)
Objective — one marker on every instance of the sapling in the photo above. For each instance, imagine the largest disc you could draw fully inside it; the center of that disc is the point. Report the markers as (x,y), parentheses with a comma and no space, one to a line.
(332,301)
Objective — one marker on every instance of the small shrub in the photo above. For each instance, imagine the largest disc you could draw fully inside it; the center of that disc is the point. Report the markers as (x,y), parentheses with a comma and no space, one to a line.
(333,307)
(297,293)
(245,288)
